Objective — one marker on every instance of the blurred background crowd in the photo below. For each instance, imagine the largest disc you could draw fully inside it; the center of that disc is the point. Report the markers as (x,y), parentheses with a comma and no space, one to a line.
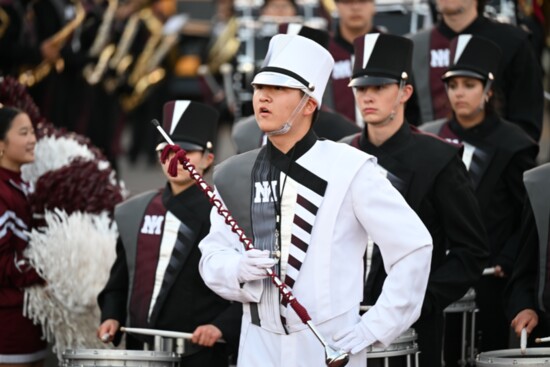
(104,68)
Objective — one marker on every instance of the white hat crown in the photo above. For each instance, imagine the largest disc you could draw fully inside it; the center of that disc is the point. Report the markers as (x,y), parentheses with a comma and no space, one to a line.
(296,62)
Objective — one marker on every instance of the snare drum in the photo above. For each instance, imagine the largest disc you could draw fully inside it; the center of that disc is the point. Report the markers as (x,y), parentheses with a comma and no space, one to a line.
(512,357)
(118,357)
(402,352)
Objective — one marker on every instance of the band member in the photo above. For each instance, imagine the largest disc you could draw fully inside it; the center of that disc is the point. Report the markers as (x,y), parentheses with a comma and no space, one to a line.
(155,282)
(430,175)
(246,133)
(496,153)
(309,205)
(518,77)
(355,18)
(21,341)
(527,293)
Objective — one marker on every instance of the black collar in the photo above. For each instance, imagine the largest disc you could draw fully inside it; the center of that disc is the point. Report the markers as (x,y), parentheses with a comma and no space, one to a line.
(472,28)
(486,127)
(340,41)
(394,144)
(287,163)
(298,150)
(186,204)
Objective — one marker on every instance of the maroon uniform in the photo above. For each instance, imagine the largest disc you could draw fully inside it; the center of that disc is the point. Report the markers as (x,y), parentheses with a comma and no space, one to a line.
(20,340)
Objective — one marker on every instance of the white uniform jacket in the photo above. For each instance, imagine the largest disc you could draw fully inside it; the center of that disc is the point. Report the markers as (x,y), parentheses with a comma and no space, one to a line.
(358,202)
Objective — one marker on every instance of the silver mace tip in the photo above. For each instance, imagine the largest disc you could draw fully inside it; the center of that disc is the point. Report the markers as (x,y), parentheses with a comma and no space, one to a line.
(336,358)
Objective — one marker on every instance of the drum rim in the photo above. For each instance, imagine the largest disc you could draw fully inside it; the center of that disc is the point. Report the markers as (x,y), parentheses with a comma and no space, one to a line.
(507,355)
(119,354)
(392,353)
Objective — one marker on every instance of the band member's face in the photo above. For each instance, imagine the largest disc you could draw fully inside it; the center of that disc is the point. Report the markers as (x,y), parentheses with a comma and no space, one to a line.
(196,158)
(18,145)
(455,7)
(376,102)
(273,105)
(356,15)
(466,96)
(278,8)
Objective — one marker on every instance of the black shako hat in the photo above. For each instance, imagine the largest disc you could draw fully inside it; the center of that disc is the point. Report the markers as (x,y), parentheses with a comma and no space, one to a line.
(318,35)
(381,59)
(474,57)
(191,125)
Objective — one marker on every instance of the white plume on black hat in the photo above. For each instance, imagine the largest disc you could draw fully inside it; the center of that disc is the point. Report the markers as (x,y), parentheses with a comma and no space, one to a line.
(474,57)
(381,59)
(191,125)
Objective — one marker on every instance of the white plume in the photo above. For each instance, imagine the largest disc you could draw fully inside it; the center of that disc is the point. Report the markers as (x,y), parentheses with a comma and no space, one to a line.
(74,254)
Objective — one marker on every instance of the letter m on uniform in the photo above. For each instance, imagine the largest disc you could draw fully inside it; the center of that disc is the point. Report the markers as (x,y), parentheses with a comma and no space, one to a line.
(440,58)
(152,224)
(263,193)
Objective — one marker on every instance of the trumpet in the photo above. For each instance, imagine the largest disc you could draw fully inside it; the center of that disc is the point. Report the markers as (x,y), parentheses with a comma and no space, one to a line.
(32,76)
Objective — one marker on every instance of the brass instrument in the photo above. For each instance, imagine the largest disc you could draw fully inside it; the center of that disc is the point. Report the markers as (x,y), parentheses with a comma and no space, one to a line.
(147,72)
(225,47)
(102,37)
(122,59)
(37,74)
(94,73)
(330,7)
(4,22)
(155,28)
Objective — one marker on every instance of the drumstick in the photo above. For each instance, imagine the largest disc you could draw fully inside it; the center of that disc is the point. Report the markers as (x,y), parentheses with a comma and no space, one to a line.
(163,333)
(154,332)
(542,340)
(105,337)
(364,308)
(488,271)
(523,341)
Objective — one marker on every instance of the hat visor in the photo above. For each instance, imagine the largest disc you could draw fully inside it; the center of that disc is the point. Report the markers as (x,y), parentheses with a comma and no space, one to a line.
(364,81)
(276,79)
(183,145)
(467,73)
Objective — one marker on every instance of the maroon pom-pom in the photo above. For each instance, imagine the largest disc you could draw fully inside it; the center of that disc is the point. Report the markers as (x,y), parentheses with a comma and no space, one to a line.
(78,186)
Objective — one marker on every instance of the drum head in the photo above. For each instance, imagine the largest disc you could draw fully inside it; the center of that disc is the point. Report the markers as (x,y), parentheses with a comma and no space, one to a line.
(533,357)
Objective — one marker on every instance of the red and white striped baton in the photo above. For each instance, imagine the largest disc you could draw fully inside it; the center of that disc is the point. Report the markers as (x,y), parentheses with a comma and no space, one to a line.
(333,357)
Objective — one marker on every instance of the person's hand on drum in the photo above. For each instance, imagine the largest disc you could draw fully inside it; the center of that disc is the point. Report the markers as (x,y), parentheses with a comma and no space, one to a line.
(206,335)
(499,272)
(107,330)
(354,339)
(527,319)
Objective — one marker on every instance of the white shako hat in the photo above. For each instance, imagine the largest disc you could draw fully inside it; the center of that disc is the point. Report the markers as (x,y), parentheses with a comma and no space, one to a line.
(294,61)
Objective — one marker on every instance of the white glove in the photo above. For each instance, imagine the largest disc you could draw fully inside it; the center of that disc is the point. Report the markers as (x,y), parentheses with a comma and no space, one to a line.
(253,265)
(354,339)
